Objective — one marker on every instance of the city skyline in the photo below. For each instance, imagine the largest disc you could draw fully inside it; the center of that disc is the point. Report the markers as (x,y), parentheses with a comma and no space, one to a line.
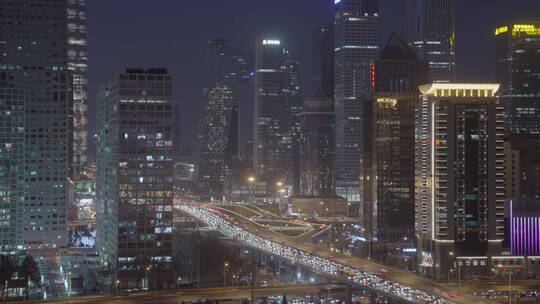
(160,32)
(391,148)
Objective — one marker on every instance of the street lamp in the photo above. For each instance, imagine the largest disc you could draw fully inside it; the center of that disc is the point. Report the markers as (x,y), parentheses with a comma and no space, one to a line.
(413,259)
(251,181)
(225,272)
(510,294)
(368,241)
(117,285)
(451,253)
(146,272)
(69,283)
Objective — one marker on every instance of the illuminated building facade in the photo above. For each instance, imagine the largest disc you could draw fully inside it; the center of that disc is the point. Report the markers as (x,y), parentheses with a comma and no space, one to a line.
(524,229)
(227,70)
(431,26)
(317,146)
(512,171)
(398,74)
(356,48)
(460,190)
(135,169)
(277,113)
(77,62)
(37,59)
(214,140)
(82,215)
(518,71)
(12,145)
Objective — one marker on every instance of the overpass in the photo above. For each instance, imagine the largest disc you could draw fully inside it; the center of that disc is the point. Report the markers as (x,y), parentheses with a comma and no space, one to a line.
(402,286)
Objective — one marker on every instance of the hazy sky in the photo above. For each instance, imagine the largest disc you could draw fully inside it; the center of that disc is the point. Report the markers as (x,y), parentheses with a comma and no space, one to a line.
(173,34)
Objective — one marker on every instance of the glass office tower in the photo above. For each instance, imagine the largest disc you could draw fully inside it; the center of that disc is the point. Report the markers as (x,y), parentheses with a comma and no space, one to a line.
(398,73)
(518,71)
(38,40)
(77,62)
(431,32)
(227,70)
(277,113)
(12,148)
(356,48)
(135,170)
(317,146)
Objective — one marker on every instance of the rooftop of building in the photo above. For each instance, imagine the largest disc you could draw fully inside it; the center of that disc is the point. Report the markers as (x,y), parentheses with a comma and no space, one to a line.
(154,71)
(444,89)
(525,28)
(397,49)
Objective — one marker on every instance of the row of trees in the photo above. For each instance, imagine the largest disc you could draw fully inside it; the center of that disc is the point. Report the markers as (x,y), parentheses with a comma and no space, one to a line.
(209,260)
(10,269)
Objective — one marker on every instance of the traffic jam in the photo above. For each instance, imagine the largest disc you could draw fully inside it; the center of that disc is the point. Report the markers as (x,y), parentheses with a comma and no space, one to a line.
(229,226)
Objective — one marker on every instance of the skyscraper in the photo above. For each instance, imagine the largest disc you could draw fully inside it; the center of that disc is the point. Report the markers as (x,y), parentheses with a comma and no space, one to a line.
(356,48)
(518,70)
(12,150)
(135,169)
(77,63)
(317,146)
(398,73)
(233,144)
(277,109)
(44,56)
(228,68)
(214,140)
(323,59)
(295,104)
(431,26)
(460,174)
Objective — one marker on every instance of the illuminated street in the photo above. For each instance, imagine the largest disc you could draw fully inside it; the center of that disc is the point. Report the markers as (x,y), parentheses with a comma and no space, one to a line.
(357,271)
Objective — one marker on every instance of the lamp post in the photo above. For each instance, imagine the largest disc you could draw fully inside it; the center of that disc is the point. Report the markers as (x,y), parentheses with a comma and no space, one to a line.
(451,253)
(69,284)
(413,260)
(225,272)
(251,181)
(510,294)
(510,286)
(146,273)
(179,283)
(117,286)
(280,191)
(348,207)
(368,241)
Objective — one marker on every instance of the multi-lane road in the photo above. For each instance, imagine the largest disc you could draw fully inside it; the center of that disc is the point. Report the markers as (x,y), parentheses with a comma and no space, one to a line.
(189,295)
(392,282)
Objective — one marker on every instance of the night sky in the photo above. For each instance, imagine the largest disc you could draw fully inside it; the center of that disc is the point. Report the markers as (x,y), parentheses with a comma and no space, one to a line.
(173,34)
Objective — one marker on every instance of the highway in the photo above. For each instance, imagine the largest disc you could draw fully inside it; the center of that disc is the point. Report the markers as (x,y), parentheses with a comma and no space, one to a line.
(395,283)
(188,295)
